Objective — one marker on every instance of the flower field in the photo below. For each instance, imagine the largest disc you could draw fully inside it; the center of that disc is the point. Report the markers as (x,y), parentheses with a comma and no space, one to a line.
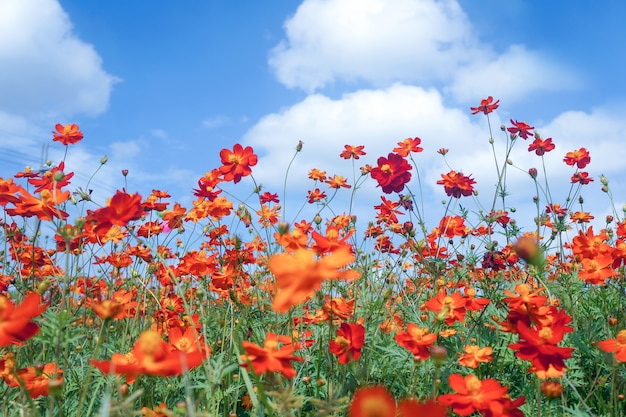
(144,307)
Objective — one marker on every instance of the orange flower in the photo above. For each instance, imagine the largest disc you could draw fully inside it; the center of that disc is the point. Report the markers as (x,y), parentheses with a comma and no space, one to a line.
(616,346)
(348,342)
(337,181)
(372,402)
(407,146)
(188,342)
(269,357)
(36,380)
(67,135)
(579,157)
(474,355)
(117,307)
(151,355)
(449,308)
(268,216)
(236,163)
(472,395)
(299,274)
(317,175)
(15,321)
(416,340)
(352,152)
(450,226)
(45,208)
(597,269)
(455,184)
(8,189)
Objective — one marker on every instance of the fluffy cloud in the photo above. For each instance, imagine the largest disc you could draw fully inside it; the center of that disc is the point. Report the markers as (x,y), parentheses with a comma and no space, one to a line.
(373,40)
(511,76)
(424,42)
(46,69)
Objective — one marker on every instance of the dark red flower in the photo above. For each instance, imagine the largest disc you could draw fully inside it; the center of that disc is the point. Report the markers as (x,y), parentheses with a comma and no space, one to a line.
(392,173)
(581,177)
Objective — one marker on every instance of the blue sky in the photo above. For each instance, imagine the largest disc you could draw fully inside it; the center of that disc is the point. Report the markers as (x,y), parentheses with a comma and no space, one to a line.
(160,87)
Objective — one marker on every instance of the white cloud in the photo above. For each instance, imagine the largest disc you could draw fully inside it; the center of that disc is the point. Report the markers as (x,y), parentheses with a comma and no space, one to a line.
(373,40)
(511,76)
(46,69)
(420,42)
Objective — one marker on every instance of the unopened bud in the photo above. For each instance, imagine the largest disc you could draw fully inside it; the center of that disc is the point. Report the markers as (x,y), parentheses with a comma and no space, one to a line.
(299,146)
(104,159)
(604,180)
(283,228)
(533,173)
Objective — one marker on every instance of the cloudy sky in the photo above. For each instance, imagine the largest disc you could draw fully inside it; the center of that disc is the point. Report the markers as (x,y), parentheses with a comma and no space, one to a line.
(160,87)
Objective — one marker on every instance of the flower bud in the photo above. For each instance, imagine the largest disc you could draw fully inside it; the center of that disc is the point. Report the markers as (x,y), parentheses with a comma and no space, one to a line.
(533,173)
(58,176)
(604,180)
(552,389)
(124,172)
(299,146)
(104,159)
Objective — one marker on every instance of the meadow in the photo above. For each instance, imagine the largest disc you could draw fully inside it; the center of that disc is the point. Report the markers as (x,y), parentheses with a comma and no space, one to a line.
(144,307)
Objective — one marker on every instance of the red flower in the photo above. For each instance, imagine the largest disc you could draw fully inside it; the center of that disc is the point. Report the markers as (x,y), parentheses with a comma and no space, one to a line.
(486,106)
(616,346)
(236,163)
(372,402)
(352,152)
(407,146)
(541,146)
(15,321)
(581,177)
(269,357)
(410,407)
(455,184)
(580,158)
(521,129)
(268,197)
(539,346)
(417,340)
(67,135)
(392,173)
(315,196)
(487,397)
(348,342)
